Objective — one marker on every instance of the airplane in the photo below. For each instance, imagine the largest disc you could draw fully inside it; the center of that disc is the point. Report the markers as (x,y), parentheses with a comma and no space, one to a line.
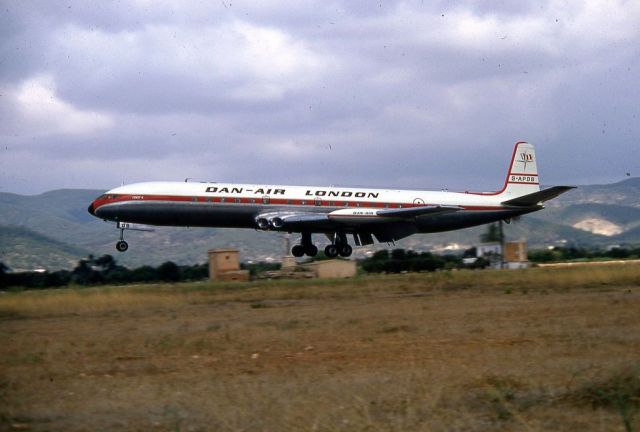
(337,212)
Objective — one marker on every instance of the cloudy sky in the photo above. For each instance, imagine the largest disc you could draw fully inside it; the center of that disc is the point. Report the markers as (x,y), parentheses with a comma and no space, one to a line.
(416,94)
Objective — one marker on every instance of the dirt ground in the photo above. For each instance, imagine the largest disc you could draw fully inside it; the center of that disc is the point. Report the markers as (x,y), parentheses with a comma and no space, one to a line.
(385,358)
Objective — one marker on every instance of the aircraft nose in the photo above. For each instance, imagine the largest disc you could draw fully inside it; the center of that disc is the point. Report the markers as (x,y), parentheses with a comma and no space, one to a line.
(91,210)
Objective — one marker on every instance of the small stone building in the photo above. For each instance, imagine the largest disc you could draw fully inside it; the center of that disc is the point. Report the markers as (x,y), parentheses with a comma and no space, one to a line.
(336,268)
(224,265)
(515,254)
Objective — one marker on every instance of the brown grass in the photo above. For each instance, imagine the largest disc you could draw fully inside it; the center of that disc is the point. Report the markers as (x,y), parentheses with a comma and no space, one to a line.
(542,349)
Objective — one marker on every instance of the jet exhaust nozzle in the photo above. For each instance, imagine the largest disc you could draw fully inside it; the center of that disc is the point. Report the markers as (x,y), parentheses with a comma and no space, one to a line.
(277,222)
(263,223)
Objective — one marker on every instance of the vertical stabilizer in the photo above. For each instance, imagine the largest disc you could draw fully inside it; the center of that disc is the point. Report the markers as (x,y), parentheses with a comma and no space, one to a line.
(522,178)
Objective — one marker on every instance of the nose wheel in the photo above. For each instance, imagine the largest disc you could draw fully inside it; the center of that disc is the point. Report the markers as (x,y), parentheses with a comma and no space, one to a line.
(121,245)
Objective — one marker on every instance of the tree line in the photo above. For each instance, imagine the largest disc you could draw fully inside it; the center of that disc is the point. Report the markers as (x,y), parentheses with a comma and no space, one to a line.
(105,269)
(560,254)
(102,270)
(400,260)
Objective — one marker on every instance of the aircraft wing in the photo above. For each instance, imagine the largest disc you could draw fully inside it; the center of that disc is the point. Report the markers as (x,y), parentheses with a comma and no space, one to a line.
(385,224)
(417,211)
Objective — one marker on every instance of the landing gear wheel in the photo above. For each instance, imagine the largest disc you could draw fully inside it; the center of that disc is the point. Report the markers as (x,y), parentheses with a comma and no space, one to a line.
(297,251)
(331,251)
(345,250)
(311,250)
(122,246)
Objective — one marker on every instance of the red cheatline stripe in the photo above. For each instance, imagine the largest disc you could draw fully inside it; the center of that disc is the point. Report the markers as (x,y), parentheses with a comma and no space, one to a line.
(272,202)
(522,174)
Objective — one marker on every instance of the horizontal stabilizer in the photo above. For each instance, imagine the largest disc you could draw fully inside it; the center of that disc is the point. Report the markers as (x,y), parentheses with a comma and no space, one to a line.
(536,198)
(417,211)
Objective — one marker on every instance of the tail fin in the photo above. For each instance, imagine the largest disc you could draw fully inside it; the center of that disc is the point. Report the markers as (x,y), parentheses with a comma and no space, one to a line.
(522,178)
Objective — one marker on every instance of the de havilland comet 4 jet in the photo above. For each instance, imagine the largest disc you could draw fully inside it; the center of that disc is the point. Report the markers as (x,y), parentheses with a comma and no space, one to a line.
(337,212)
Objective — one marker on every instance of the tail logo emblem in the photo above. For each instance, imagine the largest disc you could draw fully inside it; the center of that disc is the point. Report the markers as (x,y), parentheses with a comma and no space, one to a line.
(526,158)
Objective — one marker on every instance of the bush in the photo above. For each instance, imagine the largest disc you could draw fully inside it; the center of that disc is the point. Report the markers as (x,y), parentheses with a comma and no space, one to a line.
(400,261)
(102,270)
(168,272)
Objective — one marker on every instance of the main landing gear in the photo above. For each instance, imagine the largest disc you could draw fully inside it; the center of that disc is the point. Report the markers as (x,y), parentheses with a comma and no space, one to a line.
(306,247)
(332,250)
(339,246)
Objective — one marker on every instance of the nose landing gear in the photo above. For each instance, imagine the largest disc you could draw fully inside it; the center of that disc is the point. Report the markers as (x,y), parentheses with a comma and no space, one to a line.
(121,245)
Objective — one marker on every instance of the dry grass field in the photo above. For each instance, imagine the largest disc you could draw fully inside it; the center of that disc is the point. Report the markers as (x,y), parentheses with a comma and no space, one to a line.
(534,350)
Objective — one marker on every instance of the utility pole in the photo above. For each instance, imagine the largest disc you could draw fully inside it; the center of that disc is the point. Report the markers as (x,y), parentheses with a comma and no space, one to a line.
(501,231)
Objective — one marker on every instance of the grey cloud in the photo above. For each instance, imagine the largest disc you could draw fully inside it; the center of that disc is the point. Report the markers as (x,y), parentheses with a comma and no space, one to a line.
(388,93)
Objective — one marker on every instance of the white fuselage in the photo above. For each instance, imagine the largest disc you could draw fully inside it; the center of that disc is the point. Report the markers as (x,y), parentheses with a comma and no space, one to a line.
(386,214)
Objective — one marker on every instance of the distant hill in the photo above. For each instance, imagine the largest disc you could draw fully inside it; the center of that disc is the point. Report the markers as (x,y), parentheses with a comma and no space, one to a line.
(23,249)
(631,236)
(610,210)
(53,230)
(624,193)
(62,216)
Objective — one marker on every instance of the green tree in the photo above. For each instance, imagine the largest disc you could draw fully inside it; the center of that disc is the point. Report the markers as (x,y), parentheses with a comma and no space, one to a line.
(382,255)
(3,274)
(492,235)
(84,274)
(168,272)
(106,262)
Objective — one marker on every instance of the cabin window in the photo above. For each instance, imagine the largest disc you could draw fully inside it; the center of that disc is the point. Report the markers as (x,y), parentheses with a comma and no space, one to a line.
(238,200)
(265,200)
(222,200)
(303,202)
(253,200)
(289,202)
(318,201)
(209,199)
